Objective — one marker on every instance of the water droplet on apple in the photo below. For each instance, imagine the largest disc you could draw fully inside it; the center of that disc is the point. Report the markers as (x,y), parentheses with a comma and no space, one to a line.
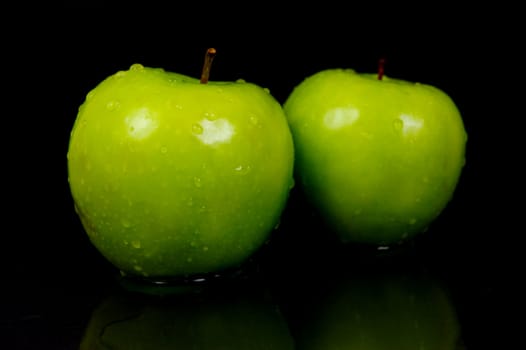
(164,149)
(120,74)
(412,221)
(277,225)
(210,116)
(254,120)
(197,129)
(136,244)
(425,179)
(398,124)
(193,244)
(241,81)
(205,248)
(189,260)
(242,169)
(267,90)
(125,223)
(366,134)
(197,182)
(292,183)
(357,212)
(136,67)
(137,268)
(90,95)
(112,105)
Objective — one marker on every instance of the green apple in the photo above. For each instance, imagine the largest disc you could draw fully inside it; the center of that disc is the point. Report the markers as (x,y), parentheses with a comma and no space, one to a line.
(174,176)
(379,158)
(130,321)
(381,310)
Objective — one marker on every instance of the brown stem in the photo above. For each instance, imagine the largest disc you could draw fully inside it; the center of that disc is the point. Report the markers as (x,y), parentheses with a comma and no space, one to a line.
(381,66)
(209,57)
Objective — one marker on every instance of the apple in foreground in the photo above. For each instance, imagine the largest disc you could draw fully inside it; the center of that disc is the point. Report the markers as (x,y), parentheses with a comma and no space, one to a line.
(379,158)
(175,176)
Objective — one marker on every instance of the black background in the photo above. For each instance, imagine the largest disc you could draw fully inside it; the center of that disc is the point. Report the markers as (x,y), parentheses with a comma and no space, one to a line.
(53,276)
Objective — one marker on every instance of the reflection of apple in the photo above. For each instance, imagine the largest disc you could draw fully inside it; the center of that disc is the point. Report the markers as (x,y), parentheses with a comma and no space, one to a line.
(379,158)
(238,321)
(173,176)
(380,310)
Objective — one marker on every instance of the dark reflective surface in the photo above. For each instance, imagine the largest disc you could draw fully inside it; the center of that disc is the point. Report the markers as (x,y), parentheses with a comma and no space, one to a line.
(385,306)
(458,283)
(291,295)
(303,286)
(234,316)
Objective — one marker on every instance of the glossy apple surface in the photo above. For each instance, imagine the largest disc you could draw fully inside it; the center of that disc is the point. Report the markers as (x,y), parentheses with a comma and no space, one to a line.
(379,159)
(173,177)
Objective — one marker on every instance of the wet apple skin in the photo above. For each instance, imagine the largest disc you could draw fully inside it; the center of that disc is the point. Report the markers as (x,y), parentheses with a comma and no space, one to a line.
(172,177)
(379,159)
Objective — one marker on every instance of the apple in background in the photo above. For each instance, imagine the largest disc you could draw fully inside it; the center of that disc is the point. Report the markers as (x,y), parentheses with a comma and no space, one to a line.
(379,158)
(174,176)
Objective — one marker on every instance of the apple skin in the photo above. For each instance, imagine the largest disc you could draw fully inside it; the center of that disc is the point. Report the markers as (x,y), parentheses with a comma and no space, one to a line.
(172,177)
(378,159)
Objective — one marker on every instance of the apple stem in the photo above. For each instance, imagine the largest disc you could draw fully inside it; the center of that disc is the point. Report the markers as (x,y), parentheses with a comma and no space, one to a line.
(209,57)
(381,65)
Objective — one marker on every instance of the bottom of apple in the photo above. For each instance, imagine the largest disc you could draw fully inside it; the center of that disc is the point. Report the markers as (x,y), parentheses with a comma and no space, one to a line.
(180,284)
